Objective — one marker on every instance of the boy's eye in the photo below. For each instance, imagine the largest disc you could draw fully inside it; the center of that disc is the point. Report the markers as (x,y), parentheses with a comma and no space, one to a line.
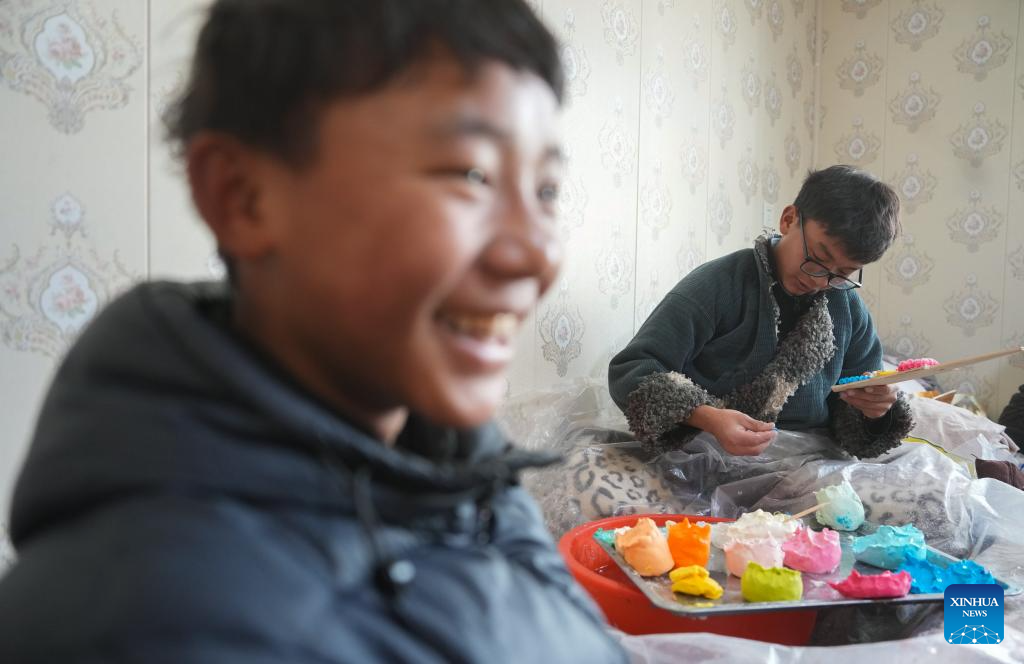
(476,176)
(548,193)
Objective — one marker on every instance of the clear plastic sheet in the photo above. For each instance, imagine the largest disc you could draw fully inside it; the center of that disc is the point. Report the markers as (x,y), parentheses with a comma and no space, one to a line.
(673,648)
(918,483)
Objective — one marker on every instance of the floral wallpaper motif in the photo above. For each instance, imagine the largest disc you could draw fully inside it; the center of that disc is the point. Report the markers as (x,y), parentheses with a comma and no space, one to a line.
(690,256)
(1016,260)
(49,293)
(914,105)
(652,294)
(770,182)
(749,175)
(720,213)
(793,151)
(696,58)
(776,18)
(614,268)
(1018,174)
(68,56)
(860,70)
(914,187)
(657,93)
(978,138)
(794,71)
(907,341)
(971,308)
(694,159)
(574,59)
(755,9)
(571,206)
(725,22)
(975,224)
(561,330)
(618,147)
(723,119)
(772,99)
(751,85)
(859,147)
(918,23)
(621,29)
(655,202)
(984,51)
(907,267)
(859,8)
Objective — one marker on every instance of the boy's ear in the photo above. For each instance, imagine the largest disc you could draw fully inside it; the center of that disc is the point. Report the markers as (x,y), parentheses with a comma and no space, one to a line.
(227,186)
(788,220)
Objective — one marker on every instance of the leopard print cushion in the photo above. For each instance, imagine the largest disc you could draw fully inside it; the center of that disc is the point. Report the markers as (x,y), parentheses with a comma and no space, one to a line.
(597,481)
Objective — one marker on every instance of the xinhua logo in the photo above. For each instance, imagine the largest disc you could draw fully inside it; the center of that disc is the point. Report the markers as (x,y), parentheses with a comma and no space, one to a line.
(973,613)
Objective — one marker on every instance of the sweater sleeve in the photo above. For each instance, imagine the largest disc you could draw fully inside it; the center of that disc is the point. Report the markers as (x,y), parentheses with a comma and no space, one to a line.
(853,431)
(646,378)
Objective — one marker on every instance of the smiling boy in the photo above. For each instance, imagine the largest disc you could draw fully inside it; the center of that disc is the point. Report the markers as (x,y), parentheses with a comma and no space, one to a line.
(300,466)
(758,337)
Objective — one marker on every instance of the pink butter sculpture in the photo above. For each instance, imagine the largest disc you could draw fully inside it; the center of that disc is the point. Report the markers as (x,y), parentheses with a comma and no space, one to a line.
(765,551)
(813,552)
(873,586)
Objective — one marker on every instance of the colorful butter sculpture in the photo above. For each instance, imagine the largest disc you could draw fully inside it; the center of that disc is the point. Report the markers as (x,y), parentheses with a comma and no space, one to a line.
(754,525)
(774,584)
(873,586)
(889,547)
(843,508)
(968,571)
(813,552)
(694,580)
(689,543)
(765,551)
(929,578)
(645,548)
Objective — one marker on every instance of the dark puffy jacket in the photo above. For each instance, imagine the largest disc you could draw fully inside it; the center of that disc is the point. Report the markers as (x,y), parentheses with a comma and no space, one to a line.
(183,501)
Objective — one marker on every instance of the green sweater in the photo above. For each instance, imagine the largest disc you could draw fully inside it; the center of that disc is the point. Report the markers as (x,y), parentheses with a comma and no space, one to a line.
(719,328)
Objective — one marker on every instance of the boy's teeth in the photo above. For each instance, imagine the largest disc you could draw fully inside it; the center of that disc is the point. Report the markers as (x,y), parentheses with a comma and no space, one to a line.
(497,325)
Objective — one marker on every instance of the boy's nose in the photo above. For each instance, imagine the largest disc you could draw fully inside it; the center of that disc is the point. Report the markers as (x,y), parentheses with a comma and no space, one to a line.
(525,246)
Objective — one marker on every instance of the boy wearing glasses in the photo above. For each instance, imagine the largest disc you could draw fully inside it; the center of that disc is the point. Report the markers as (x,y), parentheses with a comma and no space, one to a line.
(758,337)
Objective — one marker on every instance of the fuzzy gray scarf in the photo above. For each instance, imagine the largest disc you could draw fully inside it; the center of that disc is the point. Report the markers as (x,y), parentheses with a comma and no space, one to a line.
(662,401)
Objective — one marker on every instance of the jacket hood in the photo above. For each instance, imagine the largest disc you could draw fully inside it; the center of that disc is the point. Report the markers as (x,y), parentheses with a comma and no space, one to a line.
(157,396)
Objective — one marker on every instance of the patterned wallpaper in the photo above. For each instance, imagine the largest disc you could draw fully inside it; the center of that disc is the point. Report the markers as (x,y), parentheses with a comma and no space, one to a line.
(929,95)
(690,124)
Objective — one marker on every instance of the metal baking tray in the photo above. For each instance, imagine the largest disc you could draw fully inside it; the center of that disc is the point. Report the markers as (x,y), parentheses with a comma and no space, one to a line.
(817,593)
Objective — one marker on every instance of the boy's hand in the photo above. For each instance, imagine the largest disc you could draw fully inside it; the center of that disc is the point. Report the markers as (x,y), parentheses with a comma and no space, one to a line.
(874,401)
(738,433)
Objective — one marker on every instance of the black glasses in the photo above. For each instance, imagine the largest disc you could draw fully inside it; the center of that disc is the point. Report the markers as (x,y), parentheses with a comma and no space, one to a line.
(813,268)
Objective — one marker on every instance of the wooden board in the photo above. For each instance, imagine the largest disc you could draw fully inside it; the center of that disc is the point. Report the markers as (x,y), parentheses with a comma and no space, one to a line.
(925,372)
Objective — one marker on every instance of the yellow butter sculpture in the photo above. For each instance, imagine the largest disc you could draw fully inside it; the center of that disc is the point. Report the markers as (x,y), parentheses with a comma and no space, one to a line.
(694,580)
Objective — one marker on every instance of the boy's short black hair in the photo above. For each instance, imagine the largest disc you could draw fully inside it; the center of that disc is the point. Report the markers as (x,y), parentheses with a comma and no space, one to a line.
(263,69)
(855,207)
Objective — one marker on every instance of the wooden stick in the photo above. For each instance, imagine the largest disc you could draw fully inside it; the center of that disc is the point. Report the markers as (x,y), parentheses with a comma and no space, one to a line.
(809,510)
(925,372)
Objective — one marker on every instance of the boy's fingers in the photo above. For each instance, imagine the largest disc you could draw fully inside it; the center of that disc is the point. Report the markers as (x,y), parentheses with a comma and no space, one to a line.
(756,438)
(756,425)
